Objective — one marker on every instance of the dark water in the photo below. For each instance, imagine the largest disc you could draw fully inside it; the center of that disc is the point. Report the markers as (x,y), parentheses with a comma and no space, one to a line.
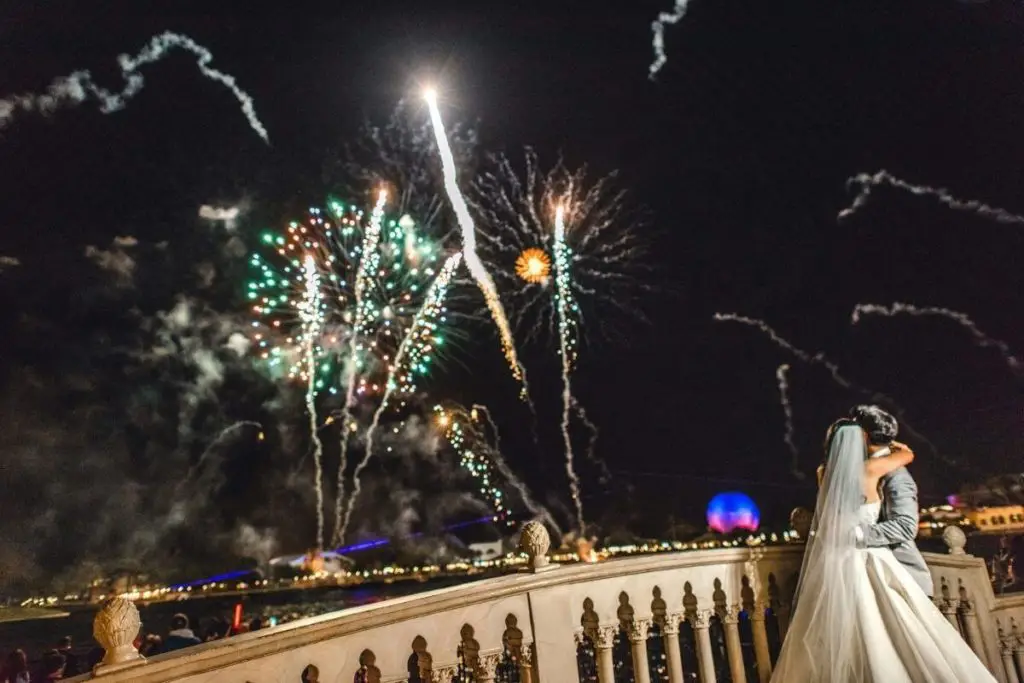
(37,636)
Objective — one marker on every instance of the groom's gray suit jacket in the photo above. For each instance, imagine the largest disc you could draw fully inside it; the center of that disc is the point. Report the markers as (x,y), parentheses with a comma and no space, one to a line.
(897,526)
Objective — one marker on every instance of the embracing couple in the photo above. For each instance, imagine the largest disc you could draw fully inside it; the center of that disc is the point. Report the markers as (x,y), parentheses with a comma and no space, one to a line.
(863,609)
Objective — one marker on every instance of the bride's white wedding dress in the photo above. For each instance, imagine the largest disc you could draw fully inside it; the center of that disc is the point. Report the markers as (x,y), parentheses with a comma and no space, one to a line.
(895,631)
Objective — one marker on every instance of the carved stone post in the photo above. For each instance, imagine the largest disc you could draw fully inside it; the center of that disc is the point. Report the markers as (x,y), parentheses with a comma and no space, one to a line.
(487,668)
(604,638)
(734,650)
(761,652)
(638,629)
(948,606)
(535,541)
(1006,647)
(115,627)
(701,622)
(670,637)
(526,661)
(973,631)
(955,540)
(1018,650)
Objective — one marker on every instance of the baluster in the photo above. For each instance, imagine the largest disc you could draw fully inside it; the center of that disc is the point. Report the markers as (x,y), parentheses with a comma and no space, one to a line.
(1006,652)
(1018,648)
(670,636)
(971,624)
(761,652)
(638,629)
(701,622)
(603,638)
(949,606)
(730,617)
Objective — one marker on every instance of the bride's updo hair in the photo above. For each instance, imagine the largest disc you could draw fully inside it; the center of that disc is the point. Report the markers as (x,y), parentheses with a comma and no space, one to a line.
(833,429)
(880,425)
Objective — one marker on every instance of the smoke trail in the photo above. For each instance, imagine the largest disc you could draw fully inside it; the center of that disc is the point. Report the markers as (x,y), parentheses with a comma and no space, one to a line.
(217,441)
(311,315)
(417,343)
(980,338)
(79,86)
(565,308)
(658,29)
(479,409)
(868,182)
(473,262)
(787,408)
(369,261)
(821,360)
(606,475)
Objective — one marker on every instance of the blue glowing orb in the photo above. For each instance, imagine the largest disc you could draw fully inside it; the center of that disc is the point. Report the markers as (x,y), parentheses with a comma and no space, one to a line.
(728,512)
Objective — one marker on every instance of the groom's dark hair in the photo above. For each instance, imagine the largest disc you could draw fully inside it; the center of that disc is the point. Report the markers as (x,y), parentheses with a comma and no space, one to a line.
(880,425)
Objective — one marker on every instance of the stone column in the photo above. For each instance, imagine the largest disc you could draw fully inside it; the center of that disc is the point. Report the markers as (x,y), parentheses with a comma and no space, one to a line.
(1018,650)
(526,658)
(670,638)
(603,639)
(638,629)
(701,623)
(731,620)
(973,631)
(761,652)
(949,606)
(1006,652)
(115,627)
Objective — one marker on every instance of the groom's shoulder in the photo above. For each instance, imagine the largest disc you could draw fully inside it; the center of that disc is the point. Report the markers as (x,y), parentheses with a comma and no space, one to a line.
(900,475)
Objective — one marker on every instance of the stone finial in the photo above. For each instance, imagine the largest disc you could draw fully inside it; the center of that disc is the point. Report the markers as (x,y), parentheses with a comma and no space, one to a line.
(535,542)
(955,540)
(115,627)
(800,519)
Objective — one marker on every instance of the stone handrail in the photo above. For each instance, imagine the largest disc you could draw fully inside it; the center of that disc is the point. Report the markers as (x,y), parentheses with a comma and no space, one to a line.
(544,621)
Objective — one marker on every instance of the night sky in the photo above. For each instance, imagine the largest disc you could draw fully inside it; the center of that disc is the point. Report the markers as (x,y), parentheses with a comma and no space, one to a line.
(739,152)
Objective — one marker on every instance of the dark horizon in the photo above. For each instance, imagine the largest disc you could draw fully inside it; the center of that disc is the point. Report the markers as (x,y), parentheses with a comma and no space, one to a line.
(740,151)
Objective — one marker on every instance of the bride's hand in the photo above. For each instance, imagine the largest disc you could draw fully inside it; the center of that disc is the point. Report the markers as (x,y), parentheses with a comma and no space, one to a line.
(898,446)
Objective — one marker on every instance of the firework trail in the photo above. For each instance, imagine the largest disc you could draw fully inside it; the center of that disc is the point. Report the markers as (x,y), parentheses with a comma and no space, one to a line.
(220,439)
(461,426)
(79,86)
(566,308)
(658,30)
(369,261)
(821,360)
(479,409)
(311,314)
(781,376)
(473,262)
(980,338)
(869,182)
(409,360)
(606,475)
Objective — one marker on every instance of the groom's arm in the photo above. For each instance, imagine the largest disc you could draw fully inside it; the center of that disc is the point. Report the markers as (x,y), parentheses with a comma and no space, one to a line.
(900,491)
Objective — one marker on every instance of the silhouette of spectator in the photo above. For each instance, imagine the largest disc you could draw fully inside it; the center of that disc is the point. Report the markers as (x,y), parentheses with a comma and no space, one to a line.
(15,669)
(180,635)
(52,669)
(70,658)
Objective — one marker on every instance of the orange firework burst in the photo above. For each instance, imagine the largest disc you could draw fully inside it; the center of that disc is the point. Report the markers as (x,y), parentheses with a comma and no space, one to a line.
(533,265)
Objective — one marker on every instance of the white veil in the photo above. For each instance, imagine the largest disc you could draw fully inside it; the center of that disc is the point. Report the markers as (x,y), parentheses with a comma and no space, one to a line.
(824,624)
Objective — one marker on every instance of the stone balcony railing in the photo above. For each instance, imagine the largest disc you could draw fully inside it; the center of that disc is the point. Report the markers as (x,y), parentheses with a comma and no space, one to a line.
(707,615)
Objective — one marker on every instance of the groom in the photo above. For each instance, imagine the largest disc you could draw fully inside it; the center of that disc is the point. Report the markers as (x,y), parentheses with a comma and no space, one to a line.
(896,528)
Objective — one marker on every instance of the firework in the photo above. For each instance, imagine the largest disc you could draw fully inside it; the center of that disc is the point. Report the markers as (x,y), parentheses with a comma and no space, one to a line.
(473,262)
(533,265)
(869,182)
(658,34)
(311,312)
(516,215)
(782,377)
(411,360)
(371,286)
(79,86)
(962,319)
(567,311)
(465,434)
(821,360)
(369,262)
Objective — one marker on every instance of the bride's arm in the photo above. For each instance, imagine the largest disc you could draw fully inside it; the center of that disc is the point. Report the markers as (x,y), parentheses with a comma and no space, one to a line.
(901,456)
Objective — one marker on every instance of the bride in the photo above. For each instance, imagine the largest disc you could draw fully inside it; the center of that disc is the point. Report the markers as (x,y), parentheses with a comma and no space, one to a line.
(860,617)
